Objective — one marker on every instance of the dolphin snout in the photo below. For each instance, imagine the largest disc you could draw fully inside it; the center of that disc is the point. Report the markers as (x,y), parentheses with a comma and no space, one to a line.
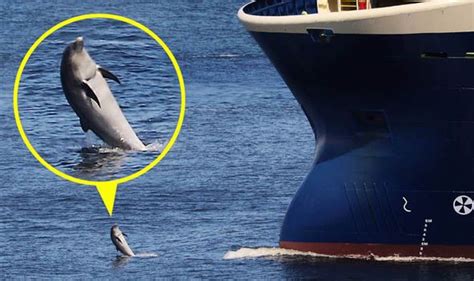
(79,43)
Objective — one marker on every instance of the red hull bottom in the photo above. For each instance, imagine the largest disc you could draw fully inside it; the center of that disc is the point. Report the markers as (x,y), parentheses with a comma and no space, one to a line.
(382,250)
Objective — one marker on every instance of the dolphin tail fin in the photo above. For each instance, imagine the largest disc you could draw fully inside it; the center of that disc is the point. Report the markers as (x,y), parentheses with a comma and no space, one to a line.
(89,92)
(109,75)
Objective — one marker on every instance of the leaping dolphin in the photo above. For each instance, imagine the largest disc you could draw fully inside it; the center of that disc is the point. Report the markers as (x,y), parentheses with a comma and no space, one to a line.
(118,238)
(89,95)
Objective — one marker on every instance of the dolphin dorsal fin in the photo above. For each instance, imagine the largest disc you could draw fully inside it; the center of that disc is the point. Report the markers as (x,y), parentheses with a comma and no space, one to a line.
(107,74)
(89,92)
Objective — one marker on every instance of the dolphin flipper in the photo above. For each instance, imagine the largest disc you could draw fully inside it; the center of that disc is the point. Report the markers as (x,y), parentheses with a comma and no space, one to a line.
(89,92)
(109,75)
(84,125)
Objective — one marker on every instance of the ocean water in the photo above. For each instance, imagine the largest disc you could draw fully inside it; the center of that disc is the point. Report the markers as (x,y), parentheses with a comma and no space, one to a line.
(213,207)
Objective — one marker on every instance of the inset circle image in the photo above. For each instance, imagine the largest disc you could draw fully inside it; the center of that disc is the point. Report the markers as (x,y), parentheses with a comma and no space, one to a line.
(463,205)
(99,99)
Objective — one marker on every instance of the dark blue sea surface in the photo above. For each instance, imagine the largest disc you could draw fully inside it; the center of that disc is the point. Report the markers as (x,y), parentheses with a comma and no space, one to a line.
(213,207)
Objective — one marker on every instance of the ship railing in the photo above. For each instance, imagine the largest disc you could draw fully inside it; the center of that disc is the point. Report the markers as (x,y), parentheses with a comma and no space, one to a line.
(302,7)
(281,7)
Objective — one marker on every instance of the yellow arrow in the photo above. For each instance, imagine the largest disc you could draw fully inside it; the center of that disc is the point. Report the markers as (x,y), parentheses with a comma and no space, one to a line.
(107,191)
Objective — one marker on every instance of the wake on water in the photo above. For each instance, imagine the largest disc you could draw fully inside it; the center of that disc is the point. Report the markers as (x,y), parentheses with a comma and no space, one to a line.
(267,252)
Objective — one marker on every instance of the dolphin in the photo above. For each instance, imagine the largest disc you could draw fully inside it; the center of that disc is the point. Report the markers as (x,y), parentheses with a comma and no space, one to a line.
(118,238)
(89,95)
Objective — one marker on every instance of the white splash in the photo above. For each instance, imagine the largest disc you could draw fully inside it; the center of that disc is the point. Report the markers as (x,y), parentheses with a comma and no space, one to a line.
(424,259)
(146,255)
(91,145)
(156,146)
(264,252)
(228,55)
(105,149)
(246,253)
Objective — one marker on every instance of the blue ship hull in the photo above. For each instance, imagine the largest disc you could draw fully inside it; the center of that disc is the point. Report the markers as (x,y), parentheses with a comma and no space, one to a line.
(393,117)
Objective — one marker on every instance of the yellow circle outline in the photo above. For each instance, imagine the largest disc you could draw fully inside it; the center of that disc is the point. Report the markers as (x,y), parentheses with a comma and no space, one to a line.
(150,33)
